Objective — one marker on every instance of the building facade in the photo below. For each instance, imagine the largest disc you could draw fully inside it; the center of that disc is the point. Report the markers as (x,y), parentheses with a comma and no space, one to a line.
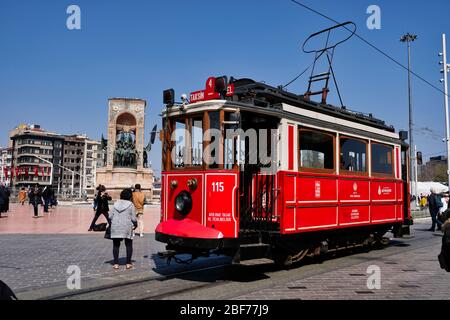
(36,155)
(5,166)
(434,170)
(67,163)
(81,156)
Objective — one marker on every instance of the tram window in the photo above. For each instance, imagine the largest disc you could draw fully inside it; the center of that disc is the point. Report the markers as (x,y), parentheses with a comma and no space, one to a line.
(179,137)
(230,148)
(316,150)
(353,155)
(382,159)
(197,143)
(214,123)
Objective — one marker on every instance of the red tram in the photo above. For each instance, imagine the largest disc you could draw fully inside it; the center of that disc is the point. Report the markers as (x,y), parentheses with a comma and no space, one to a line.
(329,178)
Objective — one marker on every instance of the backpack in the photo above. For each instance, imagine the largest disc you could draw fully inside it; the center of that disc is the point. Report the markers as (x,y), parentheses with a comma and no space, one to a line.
(6,293)
(439,203)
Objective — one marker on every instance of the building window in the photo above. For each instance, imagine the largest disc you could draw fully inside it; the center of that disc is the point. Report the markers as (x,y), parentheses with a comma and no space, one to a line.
(382,159)
(316,150)
(353,155)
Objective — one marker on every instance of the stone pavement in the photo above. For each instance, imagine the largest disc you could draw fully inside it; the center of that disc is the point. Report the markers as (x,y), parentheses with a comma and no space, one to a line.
(36,254)
(62,220)
(412,274)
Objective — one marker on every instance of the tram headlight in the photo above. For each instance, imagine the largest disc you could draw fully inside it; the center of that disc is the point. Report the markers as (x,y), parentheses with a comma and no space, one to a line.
(183,203)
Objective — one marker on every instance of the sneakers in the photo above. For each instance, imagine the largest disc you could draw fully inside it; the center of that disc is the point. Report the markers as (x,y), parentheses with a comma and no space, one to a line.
(141,235)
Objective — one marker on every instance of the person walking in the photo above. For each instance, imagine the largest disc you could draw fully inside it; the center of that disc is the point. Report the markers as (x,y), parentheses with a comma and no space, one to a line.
(123,222)
(103,199)
(139,202)
(22,196)
(36,200)
(434,204)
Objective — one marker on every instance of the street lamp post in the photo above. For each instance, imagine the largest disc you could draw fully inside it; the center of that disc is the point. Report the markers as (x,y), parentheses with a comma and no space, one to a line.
(444,71)
(408,38)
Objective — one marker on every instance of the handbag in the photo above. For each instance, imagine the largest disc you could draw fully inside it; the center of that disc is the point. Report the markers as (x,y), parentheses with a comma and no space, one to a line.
(108,232)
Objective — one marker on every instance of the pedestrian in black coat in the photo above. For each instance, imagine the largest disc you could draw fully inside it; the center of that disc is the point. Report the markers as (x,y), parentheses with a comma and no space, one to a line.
(434,203)
(47,195)
(36,200)
(7,195)
(103,199)
(2,199)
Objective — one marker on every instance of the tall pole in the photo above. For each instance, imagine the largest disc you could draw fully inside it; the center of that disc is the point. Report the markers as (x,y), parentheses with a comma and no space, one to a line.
(81,178)
(447,130)
(409,38)
(73,183)
(51,175)
(415,172)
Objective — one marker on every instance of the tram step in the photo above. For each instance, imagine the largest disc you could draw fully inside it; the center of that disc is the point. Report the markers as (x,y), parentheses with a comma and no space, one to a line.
(253,251)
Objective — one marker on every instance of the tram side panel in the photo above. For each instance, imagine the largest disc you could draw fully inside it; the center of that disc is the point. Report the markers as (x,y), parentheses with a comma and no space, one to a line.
(316,202)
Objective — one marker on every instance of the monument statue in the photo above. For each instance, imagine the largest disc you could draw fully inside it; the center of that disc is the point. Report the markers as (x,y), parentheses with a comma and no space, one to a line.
(126,154)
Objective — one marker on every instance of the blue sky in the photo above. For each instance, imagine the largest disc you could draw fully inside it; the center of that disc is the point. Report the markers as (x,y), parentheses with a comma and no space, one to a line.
(62,79)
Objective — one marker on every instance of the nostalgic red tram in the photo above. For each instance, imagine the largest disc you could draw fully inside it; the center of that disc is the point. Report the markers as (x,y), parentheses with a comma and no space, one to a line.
(294,177)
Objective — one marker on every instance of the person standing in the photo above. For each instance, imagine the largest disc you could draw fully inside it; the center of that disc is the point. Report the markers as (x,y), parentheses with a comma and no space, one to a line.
(139,202)
(434,204)
(36,200)
(95,204)
(22,196)
(2,199)
(103,199)
(7,195)
(53,201)
(47,195)
(123,222)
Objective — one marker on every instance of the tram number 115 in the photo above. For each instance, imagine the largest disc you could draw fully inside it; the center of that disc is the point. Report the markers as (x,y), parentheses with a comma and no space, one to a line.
(218,187)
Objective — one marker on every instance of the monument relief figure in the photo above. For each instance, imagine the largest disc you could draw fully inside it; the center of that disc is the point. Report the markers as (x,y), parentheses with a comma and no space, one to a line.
(125,154)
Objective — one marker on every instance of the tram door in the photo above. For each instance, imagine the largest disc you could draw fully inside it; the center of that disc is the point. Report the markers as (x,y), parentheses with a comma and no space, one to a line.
(258,171)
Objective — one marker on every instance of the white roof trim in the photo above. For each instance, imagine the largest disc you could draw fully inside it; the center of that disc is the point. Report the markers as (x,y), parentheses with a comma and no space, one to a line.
(337,121)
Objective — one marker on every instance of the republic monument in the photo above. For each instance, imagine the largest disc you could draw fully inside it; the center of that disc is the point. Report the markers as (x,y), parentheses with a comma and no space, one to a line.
(126,158)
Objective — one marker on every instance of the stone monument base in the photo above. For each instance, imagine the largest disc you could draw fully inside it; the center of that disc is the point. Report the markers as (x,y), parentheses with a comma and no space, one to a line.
(117,179)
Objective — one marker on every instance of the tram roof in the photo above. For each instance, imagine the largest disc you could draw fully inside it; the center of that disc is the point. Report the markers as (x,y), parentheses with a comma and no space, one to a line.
(263,95)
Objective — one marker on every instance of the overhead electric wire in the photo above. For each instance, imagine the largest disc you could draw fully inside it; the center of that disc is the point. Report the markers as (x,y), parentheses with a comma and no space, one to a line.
(373,46)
